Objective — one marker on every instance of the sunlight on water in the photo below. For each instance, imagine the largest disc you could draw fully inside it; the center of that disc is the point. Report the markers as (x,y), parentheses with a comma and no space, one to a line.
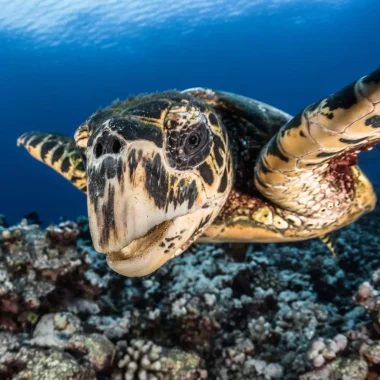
(95,22)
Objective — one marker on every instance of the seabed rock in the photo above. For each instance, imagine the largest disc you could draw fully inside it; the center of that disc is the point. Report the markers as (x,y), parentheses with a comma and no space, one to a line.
(289,311)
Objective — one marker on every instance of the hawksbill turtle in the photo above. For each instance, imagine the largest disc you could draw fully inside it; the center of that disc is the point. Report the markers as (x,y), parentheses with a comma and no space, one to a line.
(163,170)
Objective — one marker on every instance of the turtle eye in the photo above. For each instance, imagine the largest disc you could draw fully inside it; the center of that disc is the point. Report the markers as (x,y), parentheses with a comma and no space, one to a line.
(196,140)
(189,147)
(193,141)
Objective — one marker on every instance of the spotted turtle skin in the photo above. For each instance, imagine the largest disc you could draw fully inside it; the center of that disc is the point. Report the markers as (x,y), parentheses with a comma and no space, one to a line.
(164,170)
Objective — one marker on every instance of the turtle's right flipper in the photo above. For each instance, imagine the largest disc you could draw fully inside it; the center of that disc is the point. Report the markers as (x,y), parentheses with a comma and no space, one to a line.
(59,152)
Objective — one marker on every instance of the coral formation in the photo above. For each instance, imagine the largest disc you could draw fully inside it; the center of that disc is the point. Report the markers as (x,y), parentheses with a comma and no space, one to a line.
(141,359)
(276,312)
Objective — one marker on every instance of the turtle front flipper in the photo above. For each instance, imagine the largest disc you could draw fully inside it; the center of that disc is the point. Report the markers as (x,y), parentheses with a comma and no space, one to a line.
(309,168)
(59,152)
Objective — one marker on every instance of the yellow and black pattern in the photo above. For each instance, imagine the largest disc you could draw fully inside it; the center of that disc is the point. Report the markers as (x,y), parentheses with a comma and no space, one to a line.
(309,167)
(172,142)
(211,159)
(246,215)
(59,152)
(330,243)
(163,170)
(249,124)
(81,136)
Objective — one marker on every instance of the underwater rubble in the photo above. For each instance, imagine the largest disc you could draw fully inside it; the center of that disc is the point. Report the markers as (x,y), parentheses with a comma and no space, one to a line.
(290,311)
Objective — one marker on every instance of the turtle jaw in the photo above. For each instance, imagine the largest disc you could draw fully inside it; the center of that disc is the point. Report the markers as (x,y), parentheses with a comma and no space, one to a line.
(141,211)
(163,242)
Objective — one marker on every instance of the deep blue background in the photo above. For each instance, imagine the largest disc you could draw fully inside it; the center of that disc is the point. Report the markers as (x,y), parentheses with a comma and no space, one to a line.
(289,58)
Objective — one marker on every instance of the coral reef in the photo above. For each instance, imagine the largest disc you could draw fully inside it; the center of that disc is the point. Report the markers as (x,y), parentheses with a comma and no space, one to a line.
(269,312)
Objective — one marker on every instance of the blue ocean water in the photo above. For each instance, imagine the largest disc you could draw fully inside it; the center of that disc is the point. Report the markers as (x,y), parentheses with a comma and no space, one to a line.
(62,60)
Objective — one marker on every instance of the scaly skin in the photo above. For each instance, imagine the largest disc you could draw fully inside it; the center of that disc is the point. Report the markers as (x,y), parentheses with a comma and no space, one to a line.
(149,197)
(307,173)
(59,153)
(309,167)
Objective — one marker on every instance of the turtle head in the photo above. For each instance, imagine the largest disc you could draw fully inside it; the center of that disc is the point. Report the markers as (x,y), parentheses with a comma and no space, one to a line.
(159,171)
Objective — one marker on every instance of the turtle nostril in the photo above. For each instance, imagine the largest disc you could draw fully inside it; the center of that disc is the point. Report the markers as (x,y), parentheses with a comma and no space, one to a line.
(98,150)
(107,145)
(116,146)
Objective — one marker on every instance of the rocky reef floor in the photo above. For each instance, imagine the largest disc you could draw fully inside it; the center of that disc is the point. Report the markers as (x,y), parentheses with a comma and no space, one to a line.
(290,311)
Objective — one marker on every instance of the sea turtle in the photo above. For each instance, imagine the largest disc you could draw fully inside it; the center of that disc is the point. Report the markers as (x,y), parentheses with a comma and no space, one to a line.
(164,170)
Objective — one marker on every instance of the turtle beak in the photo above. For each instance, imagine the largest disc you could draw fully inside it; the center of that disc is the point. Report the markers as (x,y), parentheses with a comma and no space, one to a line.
(141,212)
(166,240)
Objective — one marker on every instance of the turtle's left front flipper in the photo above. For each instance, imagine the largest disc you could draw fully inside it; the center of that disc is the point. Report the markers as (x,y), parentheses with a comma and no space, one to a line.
(309,168)
(59,152)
